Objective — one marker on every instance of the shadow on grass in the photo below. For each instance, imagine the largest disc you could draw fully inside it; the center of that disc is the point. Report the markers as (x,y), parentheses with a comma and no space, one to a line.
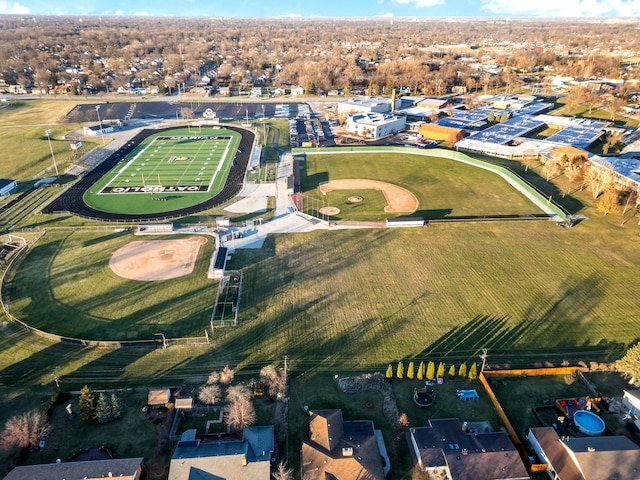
(551,332)
(568,203)
(312,181)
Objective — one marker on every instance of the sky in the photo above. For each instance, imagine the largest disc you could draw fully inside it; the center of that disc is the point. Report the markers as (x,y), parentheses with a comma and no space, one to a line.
(330,8)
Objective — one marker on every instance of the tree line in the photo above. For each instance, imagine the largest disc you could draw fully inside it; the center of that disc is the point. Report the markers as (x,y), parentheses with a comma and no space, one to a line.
(431,56)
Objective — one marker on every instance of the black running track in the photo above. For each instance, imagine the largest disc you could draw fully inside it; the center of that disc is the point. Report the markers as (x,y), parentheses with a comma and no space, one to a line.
(72,200)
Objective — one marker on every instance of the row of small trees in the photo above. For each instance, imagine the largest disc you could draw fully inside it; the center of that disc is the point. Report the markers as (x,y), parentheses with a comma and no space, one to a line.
(100,408)
(429,372)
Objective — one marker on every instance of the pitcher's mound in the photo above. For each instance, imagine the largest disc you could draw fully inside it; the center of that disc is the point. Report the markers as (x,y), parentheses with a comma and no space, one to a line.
(354,199)
(329,210)
(153,260)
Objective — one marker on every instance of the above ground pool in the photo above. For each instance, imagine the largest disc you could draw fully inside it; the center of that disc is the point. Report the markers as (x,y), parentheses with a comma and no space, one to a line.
(588,422)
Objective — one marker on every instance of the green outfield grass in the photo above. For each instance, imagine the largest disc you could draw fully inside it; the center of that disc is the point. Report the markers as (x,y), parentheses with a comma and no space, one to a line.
(444,188)
(166,172)
(64,286)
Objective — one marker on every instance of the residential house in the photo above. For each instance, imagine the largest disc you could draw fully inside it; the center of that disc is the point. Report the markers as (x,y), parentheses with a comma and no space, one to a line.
(586,458)
(221,459)
(448,448)
(342,450)
(122,468)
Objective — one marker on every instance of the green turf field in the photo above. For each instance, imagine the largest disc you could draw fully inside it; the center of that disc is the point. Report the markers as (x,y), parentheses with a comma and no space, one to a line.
(168,171)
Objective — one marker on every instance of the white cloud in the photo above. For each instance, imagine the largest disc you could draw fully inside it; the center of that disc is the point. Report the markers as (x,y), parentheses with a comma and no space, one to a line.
(564,8)
(15,7)
(420,3)
(386,15)
(119,12)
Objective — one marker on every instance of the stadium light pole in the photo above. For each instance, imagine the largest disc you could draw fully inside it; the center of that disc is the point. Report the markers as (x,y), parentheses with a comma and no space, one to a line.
(100,123)
(55,165)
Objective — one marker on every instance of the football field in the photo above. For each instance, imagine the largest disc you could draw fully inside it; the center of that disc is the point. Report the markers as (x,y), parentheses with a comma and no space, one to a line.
(180,163)
(167,171)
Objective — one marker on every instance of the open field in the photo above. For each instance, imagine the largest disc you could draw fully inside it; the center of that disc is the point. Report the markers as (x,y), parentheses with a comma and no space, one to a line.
(443,188)
(167,171)
(26,154)
(58,290)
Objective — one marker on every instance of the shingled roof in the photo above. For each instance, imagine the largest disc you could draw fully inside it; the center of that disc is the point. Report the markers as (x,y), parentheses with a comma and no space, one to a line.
(345,450)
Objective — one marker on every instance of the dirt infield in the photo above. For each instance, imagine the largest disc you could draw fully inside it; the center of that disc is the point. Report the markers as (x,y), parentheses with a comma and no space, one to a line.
(329,210)
(154,260)
(398,199)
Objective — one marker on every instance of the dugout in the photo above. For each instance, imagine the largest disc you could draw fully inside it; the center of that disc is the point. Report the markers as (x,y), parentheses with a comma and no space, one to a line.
(220,262)
(155,228)
(405,222)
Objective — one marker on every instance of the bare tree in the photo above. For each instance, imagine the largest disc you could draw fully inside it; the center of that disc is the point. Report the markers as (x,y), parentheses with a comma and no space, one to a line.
(24,430)
(240,413)
(274,380)
(226,376)
(599,178)
(236,392)
(282,472)
(213,378)
(187,113)
(210,394)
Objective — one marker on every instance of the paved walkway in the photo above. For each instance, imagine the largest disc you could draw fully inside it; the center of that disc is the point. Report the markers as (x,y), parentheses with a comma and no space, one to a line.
(285,220)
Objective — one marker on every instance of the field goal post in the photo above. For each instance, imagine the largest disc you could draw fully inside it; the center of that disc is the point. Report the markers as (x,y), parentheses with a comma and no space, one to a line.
(192,127)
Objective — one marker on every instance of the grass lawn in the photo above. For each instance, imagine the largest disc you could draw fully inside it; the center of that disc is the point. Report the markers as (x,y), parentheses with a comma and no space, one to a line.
(26,153)
(518,395)
(70,435)
(443,187)
(199,421)
(58,290)
(582,111)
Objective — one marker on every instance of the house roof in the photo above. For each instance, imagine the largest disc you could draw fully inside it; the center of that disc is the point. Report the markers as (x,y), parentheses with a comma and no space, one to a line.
(557,456)
(633,396)
(184,402)
(469,455)
(373,118)
(353,454)
(606,457)
(589,458)
(122,467)
(231,460)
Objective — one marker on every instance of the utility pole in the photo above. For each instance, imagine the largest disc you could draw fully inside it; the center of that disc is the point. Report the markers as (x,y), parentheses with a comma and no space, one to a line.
(55,165)
(100,123)
(286,357)
(54,374)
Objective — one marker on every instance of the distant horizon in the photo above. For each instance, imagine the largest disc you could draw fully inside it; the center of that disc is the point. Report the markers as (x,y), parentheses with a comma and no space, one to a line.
(329,9)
